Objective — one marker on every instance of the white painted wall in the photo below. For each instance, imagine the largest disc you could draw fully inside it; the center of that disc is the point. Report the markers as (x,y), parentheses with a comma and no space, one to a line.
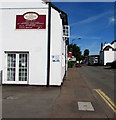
(114,55)
(63,59)
(0,48)
(114,46)
(34,41)
(66,57)
(57,48)
(0,42)
(23,4)
(108,57)
(0,65)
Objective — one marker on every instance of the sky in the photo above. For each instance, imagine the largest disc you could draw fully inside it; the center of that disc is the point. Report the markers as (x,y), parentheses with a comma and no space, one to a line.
(93,22)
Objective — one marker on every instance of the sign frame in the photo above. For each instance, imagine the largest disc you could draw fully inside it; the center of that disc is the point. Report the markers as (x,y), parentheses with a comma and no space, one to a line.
(30,20)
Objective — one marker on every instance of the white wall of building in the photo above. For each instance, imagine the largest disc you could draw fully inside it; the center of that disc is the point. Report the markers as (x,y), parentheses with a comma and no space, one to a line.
(0,67)
(0,42)
(32,40)
(114,46)
(108,57)
(57,48)
(21,4)
(114,55)
(0,49)
(66,57)
(63,58)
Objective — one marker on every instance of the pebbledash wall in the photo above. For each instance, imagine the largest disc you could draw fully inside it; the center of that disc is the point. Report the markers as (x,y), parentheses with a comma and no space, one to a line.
(33,55)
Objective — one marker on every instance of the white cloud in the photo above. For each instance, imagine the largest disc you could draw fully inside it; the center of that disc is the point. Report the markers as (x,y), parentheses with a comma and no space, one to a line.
(110,21)
(91,19)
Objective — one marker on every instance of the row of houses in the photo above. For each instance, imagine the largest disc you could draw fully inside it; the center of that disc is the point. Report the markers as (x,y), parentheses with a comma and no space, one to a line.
(33,43)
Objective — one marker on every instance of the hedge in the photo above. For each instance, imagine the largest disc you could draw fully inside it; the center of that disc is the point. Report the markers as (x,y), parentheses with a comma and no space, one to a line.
(113,65)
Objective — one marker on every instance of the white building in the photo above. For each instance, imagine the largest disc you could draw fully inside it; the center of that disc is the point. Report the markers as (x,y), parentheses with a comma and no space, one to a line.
(94,59)
(108,53)
(33,43)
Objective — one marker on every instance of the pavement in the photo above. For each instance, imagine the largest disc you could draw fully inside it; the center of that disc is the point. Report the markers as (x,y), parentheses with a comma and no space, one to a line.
(54,102)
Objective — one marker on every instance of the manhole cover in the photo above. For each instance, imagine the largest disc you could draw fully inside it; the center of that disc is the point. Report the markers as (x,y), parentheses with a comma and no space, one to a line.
(10,97)
(85,106)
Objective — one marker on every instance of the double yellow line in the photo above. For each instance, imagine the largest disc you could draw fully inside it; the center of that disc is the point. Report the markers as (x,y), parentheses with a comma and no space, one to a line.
(106,99)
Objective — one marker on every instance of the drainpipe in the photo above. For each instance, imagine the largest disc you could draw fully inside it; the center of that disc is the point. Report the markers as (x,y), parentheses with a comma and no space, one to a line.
(49,40)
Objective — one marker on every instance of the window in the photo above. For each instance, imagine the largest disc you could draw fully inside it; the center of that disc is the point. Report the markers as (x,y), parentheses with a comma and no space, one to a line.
(66,32)
(17,67)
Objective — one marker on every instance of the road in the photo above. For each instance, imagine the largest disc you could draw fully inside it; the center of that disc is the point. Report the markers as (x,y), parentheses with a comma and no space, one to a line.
(102,78)
(99,78)
(80,85)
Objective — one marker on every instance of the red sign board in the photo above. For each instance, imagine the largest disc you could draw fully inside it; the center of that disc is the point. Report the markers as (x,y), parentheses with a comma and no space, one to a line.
(31,20)
(69,54)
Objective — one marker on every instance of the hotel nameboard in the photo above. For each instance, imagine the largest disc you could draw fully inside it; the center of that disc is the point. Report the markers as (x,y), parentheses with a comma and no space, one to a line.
(31,20)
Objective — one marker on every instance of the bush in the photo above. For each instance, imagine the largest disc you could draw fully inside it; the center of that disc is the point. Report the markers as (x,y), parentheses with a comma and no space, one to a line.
(70,64)
(109,64)
(113,65)
(89,64)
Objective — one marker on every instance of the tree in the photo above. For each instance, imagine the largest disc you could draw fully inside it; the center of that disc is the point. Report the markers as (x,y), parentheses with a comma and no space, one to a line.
(75,51)
(86,52)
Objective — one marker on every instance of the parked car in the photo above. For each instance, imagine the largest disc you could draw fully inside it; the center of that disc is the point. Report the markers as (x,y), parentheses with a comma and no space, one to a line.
(78,65)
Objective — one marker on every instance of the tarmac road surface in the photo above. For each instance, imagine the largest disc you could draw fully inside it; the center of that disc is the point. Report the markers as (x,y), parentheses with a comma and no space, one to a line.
(85,84)
(100,77)
(82,85)
(103,79)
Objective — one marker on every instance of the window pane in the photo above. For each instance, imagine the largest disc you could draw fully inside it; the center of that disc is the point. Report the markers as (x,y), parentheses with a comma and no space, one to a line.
(11,64)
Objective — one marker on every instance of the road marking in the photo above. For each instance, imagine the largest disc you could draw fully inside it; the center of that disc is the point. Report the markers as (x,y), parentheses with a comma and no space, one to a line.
(106,99)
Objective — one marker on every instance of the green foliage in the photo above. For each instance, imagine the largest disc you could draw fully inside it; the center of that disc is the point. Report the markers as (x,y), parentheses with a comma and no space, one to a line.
(70,64)
(86,52)
(75,51)
(113,65)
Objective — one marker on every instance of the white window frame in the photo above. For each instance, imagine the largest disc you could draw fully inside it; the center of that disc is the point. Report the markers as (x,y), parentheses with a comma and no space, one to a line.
(5,81)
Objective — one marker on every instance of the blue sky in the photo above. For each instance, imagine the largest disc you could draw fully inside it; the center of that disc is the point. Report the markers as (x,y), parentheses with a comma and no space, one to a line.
(92,21)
